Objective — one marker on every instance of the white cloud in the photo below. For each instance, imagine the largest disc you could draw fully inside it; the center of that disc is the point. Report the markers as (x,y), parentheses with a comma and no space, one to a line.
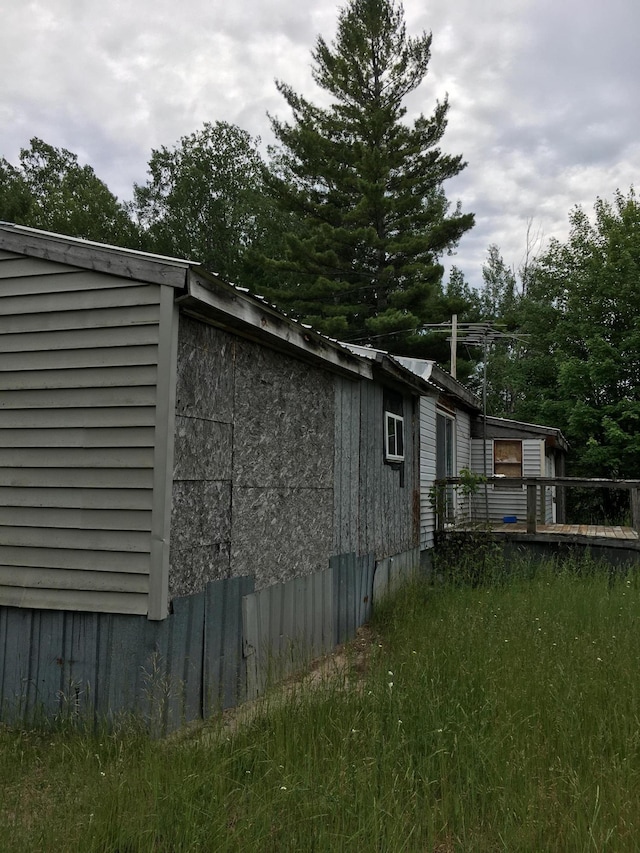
(542,94)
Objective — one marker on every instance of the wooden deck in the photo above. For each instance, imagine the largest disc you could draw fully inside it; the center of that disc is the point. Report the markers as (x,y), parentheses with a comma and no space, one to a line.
(599,531)
(595,535)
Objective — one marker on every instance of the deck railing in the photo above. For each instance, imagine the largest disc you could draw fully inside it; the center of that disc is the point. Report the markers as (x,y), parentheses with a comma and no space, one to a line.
(536,489)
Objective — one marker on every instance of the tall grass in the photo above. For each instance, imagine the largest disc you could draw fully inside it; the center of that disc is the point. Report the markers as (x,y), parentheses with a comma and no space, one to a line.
(491,716)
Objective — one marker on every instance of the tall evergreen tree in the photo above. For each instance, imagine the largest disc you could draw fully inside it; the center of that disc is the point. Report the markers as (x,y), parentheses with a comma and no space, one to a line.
(366,186)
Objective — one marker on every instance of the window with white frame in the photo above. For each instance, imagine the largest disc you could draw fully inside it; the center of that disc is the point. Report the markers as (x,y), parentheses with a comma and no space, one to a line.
(393,437)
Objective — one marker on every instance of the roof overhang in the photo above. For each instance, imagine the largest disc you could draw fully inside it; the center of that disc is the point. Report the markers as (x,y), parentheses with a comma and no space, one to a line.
(505,428)
(213,300)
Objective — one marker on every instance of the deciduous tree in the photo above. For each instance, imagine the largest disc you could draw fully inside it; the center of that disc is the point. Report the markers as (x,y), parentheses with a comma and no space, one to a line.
(51,190)
(205,200)
(585,302)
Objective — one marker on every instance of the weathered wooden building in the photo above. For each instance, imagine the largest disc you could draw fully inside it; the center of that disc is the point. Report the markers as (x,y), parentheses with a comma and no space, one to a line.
(162,429)
(453,432)
(170,448)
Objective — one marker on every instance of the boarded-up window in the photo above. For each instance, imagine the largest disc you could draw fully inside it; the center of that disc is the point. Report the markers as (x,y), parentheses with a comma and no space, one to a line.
(507,458)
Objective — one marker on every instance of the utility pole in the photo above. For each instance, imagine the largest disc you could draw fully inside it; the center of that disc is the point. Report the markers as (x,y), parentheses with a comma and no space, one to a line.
(454,344)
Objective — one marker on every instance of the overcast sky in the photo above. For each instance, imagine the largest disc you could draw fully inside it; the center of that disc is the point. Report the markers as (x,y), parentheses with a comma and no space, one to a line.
(544,101)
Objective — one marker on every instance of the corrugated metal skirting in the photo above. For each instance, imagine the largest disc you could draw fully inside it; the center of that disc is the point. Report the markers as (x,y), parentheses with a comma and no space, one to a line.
(99,665)
(215,650)
(287,625)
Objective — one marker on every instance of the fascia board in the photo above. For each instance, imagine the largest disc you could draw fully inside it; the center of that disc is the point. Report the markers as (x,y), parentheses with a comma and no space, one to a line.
(111,260)
(229,308)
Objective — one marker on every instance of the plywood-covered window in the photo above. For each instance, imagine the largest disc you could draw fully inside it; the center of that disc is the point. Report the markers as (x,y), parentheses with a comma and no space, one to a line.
(507,459)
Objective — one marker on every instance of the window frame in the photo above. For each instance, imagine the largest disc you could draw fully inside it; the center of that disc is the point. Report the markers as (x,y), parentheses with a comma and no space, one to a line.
(514,469)
(395,454)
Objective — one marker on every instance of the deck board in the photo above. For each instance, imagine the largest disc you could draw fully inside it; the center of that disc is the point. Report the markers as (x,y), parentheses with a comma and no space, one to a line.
(584,531)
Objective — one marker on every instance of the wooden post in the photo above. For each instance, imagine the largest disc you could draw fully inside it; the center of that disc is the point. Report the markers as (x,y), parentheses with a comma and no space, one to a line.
(532,509)
(542,513)
(635,509)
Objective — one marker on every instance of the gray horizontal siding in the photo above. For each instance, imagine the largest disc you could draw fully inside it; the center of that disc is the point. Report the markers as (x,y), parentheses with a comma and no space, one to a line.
(15,496)
(98,318)
(85,418)
(105,601)
(70,478)
(78,437)
(80,377)
(503,500)
(71,579)
(87,539)
(77,457)
(82,358)
(20,267)
(78,390)
(126,336)
(59,397)
(76,558)
(94,519)
(27,301)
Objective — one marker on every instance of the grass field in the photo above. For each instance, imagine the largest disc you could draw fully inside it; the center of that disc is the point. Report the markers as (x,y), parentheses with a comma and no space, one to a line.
(502,716)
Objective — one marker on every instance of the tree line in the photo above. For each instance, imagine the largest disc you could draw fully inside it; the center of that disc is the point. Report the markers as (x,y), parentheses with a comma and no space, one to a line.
(345,223)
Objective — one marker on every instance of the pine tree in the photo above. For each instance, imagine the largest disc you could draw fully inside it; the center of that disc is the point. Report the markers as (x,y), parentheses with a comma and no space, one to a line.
(366,186)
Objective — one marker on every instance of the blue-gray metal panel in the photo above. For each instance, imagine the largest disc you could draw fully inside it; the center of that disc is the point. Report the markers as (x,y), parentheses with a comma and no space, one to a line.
(285,626)
(179,644)
(224,669)
(393,571)
(352,593)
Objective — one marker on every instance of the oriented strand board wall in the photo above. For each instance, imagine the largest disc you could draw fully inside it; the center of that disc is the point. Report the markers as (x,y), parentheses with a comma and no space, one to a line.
(78,371)
(253,480)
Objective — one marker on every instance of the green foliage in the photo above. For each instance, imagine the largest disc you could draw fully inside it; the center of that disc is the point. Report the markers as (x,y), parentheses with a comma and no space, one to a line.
(52,191)
(582,312)
(205,200)
(575,359)
(366,187)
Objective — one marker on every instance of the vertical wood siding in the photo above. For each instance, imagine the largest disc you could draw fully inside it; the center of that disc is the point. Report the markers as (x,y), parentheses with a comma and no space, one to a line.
(376,505)
(78,392)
